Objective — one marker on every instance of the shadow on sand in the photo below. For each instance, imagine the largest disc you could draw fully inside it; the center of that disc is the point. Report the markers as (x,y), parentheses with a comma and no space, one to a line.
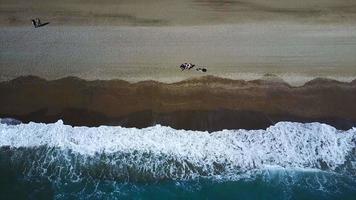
(44,24)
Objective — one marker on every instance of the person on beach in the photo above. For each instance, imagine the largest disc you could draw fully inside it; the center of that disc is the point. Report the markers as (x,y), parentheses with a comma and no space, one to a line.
(185,66)
(36,22)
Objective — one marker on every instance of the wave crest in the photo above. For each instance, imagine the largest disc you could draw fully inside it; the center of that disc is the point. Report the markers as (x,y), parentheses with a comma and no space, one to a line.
(160,152)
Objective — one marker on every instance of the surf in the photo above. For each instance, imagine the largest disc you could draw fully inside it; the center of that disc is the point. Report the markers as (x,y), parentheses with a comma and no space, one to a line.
(117,162)
(162,152)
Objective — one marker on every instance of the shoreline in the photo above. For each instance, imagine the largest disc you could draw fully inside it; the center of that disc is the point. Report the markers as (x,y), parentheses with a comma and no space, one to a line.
(267,78)
(206,104)
(293,80)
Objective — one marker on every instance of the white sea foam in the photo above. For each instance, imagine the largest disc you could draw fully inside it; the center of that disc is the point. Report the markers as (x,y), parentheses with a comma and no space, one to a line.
(286,144)
(9,121)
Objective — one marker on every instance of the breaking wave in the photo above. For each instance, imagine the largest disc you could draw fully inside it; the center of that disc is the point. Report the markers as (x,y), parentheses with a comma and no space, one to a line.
(160,153)
(285,161)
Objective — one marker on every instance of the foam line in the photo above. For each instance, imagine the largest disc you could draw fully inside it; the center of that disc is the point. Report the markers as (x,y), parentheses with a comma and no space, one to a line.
(285,144)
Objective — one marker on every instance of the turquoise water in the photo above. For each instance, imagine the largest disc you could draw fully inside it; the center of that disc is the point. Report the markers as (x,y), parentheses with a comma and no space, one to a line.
(285,161)
(280,185)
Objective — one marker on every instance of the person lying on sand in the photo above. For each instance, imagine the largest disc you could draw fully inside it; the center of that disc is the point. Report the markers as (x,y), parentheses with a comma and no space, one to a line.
(185,66)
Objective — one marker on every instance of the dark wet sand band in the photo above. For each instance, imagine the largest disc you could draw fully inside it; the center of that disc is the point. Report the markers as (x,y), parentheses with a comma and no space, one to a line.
(207,103)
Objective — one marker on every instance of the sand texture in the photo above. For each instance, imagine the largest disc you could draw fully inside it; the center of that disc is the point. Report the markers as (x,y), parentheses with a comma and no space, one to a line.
(296,53)
(182,12)
(207,103)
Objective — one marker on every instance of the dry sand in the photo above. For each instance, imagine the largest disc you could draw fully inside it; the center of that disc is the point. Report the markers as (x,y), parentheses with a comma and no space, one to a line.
(297,53)
(182,12)
(139,40)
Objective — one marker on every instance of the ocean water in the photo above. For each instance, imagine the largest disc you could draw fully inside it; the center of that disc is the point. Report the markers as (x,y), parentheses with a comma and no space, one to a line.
(286,161)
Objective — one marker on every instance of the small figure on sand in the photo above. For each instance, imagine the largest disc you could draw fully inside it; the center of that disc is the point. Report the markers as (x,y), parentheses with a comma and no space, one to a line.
(37,23)
(189,66)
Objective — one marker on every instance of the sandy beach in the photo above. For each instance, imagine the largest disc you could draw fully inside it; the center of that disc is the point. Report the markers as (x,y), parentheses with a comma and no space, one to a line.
(176,13)
(136,48)
(206,103)
(296,53)
(125,40)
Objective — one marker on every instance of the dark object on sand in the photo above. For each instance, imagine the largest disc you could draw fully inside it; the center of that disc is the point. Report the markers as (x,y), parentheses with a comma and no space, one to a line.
(37,23)
(201,69)
(185,66)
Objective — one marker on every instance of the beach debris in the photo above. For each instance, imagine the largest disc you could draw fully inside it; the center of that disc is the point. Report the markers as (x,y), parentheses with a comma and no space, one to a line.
(37,23)
(201,69)
(187,66)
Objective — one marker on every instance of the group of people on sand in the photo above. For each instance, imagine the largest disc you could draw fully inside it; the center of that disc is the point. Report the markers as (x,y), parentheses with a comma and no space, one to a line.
(188,66)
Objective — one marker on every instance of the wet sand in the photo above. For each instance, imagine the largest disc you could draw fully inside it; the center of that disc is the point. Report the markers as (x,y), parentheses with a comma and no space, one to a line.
(137,46)
(207,103)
